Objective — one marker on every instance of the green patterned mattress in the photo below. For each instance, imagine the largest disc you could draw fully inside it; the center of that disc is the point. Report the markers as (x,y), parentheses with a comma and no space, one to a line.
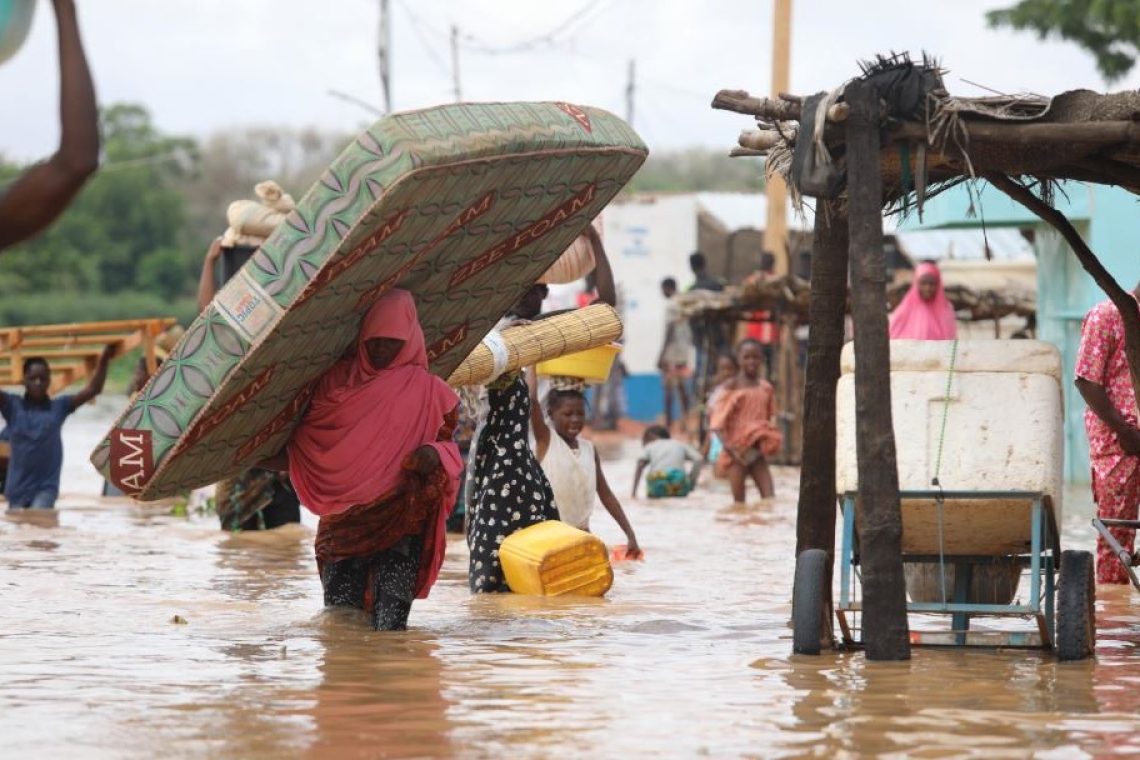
(464,205)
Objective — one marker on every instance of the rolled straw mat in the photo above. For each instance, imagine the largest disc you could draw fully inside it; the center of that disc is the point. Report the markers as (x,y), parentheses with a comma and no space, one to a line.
(528,344)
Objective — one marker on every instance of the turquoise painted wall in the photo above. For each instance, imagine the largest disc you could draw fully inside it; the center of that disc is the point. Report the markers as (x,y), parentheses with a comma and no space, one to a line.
(1109,218)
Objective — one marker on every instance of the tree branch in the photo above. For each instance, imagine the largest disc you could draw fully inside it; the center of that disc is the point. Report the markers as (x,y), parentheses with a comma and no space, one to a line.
(1124,301)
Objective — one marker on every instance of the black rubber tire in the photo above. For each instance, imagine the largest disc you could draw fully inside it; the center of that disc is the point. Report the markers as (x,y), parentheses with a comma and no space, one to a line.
(807,601)
(1076,606)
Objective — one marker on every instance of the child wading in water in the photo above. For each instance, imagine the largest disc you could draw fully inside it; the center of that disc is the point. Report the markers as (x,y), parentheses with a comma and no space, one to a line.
(35,425)
(665,459)
(743,418)
(570,462)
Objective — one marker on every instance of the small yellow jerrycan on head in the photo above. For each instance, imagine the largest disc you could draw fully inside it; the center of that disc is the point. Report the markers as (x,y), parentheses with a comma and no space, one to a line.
(555,559)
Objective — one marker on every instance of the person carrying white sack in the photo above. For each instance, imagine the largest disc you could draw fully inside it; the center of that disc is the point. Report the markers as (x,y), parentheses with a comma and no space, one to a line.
(250,224)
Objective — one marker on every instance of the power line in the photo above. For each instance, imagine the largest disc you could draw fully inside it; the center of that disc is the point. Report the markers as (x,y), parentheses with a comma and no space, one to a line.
(455,63)
(630,90)
(549,39)
(384,53)
(355,101)
(659,84)
(418,26)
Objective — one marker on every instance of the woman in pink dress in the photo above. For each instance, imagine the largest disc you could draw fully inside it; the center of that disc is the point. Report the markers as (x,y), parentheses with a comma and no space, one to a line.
(1113,427)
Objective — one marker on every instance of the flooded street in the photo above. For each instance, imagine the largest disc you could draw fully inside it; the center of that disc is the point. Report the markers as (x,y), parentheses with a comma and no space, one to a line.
(126,632)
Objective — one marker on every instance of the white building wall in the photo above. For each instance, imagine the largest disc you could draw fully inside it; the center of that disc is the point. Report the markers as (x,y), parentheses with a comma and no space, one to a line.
(649,239)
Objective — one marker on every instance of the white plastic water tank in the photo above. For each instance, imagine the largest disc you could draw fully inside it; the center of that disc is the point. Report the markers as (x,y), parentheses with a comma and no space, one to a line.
(1003,432)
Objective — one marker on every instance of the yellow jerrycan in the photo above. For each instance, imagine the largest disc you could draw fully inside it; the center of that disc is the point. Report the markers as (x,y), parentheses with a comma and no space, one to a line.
(554,559)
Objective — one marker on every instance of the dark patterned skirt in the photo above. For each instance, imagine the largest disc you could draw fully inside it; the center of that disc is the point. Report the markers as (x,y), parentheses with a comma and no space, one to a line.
(510,490)
(379,557)
(383,584)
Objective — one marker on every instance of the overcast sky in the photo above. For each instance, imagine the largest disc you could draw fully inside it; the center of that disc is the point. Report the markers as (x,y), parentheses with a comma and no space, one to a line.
(207,65)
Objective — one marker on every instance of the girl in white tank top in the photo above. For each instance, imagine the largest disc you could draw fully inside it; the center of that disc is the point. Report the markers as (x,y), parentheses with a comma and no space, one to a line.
(571,463)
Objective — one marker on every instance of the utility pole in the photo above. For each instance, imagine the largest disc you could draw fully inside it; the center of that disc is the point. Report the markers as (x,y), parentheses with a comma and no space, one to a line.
(385,54)
(455,62)
(630,88)
(776,230)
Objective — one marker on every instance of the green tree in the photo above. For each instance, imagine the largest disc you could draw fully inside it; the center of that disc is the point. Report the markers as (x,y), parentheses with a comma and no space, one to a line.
(695,170)
(162,272)
(1109,29)
(130,210)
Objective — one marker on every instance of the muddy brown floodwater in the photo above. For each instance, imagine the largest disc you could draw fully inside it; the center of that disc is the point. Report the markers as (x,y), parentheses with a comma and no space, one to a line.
(688,656)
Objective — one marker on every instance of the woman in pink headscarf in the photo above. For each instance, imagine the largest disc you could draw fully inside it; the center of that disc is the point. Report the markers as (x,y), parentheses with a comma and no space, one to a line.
(374,457)
(924,313)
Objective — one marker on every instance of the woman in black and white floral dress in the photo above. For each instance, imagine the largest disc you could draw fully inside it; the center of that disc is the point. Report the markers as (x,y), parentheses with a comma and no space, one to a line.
(510,490)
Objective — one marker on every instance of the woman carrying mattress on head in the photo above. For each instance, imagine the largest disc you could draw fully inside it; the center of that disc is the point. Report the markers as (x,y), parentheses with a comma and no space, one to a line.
(374,457)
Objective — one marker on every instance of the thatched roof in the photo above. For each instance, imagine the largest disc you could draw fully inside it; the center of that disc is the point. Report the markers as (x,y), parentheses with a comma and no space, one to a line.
(790,296)
(1078,135)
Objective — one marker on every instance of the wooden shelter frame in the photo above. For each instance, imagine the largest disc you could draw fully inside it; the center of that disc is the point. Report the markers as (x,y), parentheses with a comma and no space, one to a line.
(891,162)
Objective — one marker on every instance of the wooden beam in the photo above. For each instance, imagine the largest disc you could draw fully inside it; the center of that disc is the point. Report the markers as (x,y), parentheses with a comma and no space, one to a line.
(82,328)
(1082,133)
(773,109)
(815,514)
(760,139)
(885,631)
(1124,301)
(740,101)
(67,341)
(1119,173)
(56,354)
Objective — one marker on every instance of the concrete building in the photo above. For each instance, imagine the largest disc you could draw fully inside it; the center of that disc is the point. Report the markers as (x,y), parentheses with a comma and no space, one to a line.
(649,238)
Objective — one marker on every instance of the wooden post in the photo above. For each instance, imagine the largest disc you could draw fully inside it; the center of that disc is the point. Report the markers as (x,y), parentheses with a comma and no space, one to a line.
(885,630)
(455,63)
(776,229)
(148,353)
(815,516)
(792,379)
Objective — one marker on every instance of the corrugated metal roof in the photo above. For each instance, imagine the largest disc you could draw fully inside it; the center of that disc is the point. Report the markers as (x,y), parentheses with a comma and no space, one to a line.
(1005,244)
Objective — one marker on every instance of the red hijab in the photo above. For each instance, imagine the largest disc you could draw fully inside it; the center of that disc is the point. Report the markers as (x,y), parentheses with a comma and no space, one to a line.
(917,319)
(363,421)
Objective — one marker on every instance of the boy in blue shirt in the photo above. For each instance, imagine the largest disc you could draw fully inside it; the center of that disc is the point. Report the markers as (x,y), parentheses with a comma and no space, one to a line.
(35,426)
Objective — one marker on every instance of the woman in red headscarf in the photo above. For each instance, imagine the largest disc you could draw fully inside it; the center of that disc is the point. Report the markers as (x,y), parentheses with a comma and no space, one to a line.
(374,457)
(924,313)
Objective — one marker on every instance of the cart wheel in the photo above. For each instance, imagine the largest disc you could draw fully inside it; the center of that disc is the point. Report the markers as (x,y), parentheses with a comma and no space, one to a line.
(1076,606)
(807,601)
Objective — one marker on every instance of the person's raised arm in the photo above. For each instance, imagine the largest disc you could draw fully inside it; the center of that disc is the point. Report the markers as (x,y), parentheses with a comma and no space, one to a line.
(613,506)
(41,194)
(95,385)
(603,273)
(641,465)
(207,287)
(537,419)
